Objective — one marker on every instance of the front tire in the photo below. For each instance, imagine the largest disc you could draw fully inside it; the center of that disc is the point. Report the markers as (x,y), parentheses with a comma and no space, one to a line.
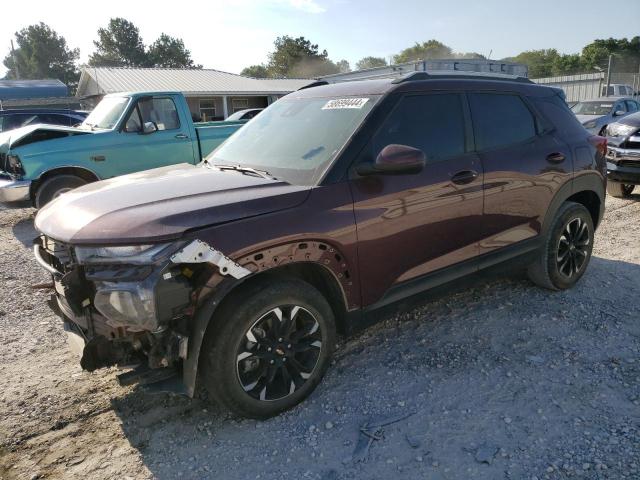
(619,190)
(53,187)
(566,252)
(268,348)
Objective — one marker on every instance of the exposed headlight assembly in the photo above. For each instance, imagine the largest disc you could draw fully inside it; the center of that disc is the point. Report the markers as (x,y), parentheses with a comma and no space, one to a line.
(131,254)
(620,130)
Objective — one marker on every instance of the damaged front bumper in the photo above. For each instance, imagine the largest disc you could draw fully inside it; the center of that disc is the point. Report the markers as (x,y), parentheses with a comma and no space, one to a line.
(14,192)
(131,310)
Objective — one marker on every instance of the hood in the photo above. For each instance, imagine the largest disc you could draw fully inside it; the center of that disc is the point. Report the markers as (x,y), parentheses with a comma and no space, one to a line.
(36,133)
(586,118)
(162,204)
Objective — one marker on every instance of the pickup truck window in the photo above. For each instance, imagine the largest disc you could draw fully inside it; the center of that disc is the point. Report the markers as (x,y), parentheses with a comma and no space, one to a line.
(295,139)
(107,113)
(161,111)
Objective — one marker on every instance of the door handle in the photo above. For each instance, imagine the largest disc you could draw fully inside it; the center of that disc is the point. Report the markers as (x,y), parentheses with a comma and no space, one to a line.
(555,157)
(182,136)
(98,158)
(463,177)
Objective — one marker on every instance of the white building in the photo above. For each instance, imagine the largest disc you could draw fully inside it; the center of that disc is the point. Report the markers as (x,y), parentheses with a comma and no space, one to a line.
(210,94)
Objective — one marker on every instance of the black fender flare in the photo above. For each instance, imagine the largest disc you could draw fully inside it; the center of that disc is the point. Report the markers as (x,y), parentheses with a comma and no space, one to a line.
(586,182)
(320,253)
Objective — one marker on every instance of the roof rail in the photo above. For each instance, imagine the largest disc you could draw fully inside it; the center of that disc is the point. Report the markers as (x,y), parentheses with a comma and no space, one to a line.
(318,83)
(448,74)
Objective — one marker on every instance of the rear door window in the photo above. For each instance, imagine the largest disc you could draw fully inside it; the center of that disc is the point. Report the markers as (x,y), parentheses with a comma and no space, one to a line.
(433,123)
(500,120)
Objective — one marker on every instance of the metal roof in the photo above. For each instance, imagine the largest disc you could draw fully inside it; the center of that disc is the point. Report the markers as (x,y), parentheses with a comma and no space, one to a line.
(14,89)
(187,81)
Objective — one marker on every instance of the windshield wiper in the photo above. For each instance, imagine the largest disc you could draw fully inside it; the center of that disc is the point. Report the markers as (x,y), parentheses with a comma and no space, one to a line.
(241,169)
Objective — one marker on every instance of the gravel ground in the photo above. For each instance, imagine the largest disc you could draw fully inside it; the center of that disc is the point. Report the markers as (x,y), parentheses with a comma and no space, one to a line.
(493,379)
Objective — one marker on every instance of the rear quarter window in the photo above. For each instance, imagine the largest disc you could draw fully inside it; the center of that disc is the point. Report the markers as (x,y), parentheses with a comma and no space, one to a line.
(500,120)
(556,111)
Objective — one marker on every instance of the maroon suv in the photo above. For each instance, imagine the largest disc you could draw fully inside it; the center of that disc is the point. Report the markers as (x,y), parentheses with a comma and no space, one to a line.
(335,201)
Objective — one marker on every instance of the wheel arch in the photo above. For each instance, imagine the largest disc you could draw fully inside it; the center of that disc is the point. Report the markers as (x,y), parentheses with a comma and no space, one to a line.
(316,262)
(84,173)
(587,189)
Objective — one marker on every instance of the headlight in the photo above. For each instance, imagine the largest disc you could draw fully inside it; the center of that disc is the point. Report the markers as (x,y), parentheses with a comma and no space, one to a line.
(590,124)
(127,304)
(14,165)
(620,130)
(132,254)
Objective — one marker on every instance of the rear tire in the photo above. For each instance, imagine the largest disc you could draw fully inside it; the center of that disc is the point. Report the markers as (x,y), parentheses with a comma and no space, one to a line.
(268,347)
(54,187)
(566,252)
(619,190)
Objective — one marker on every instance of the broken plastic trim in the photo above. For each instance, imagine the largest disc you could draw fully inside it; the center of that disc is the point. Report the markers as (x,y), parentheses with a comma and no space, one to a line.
(200,252)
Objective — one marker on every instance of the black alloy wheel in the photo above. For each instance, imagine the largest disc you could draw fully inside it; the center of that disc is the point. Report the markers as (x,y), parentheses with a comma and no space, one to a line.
(573,247)
(279,353)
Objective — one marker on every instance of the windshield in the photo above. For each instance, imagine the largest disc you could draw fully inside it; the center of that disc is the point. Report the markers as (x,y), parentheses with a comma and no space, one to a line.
(107,112)
(295,139)
(592,108)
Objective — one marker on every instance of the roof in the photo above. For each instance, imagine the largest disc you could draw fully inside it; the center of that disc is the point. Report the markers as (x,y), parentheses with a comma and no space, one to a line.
(15,89)
(102,80)
(423,81)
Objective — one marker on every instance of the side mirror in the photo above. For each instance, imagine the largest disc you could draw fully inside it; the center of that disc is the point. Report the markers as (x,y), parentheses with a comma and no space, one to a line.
(619,113)
(149,127)
(394,160)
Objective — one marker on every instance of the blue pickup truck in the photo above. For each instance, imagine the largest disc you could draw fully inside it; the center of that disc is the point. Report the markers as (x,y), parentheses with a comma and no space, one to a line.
(125,133)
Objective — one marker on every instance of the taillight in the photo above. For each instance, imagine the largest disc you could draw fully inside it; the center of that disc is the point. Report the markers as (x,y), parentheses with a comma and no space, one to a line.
(600,143)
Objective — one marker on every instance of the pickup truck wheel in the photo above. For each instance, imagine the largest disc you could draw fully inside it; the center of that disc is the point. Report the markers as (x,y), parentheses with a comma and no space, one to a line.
(268,348)
(619,190)
(55,186)
(566,252)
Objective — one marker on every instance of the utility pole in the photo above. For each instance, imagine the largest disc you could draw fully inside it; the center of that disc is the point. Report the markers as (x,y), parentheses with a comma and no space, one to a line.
(609,75)
(15,62)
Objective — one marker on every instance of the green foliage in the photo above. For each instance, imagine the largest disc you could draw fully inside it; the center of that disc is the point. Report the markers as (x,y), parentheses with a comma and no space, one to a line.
(42,53)
(371,62)
(255,71)
(469,55)
(169,52)
(626,54)
(431,49)
(298,58)
(343,66)
(540,62)
(119,45)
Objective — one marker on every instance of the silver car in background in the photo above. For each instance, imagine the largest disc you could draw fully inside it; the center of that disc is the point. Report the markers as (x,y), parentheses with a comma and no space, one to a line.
(596,114)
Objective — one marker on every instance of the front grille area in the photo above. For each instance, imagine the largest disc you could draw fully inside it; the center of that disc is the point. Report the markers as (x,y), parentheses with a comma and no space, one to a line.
(629,163)
(57,254)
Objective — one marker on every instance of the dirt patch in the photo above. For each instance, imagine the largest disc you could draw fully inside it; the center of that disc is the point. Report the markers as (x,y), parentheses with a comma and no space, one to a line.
(494,378)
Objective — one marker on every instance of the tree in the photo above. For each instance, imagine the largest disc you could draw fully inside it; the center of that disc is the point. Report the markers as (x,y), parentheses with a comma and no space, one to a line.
(255,71)
(42,53)
(626,54)
(569,64)
(431,49)
(298,57)
(169,52)
(370,62)
(119,45)
(471,55)
(540,62)
(343,66)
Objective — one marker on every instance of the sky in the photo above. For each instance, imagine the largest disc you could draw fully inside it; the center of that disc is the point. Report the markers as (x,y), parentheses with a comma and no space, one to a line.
(230,35)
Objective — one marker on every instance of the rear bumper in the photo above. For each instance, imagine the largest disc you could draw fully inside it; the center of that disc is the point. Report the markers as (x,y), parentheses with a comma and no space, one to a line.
(623,165)
(14,192)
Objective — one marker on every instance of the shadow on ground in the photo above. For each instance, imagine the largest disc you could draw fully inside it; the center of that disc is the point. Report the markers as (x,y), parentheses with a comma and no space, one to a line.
(495,378)
(25,232)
